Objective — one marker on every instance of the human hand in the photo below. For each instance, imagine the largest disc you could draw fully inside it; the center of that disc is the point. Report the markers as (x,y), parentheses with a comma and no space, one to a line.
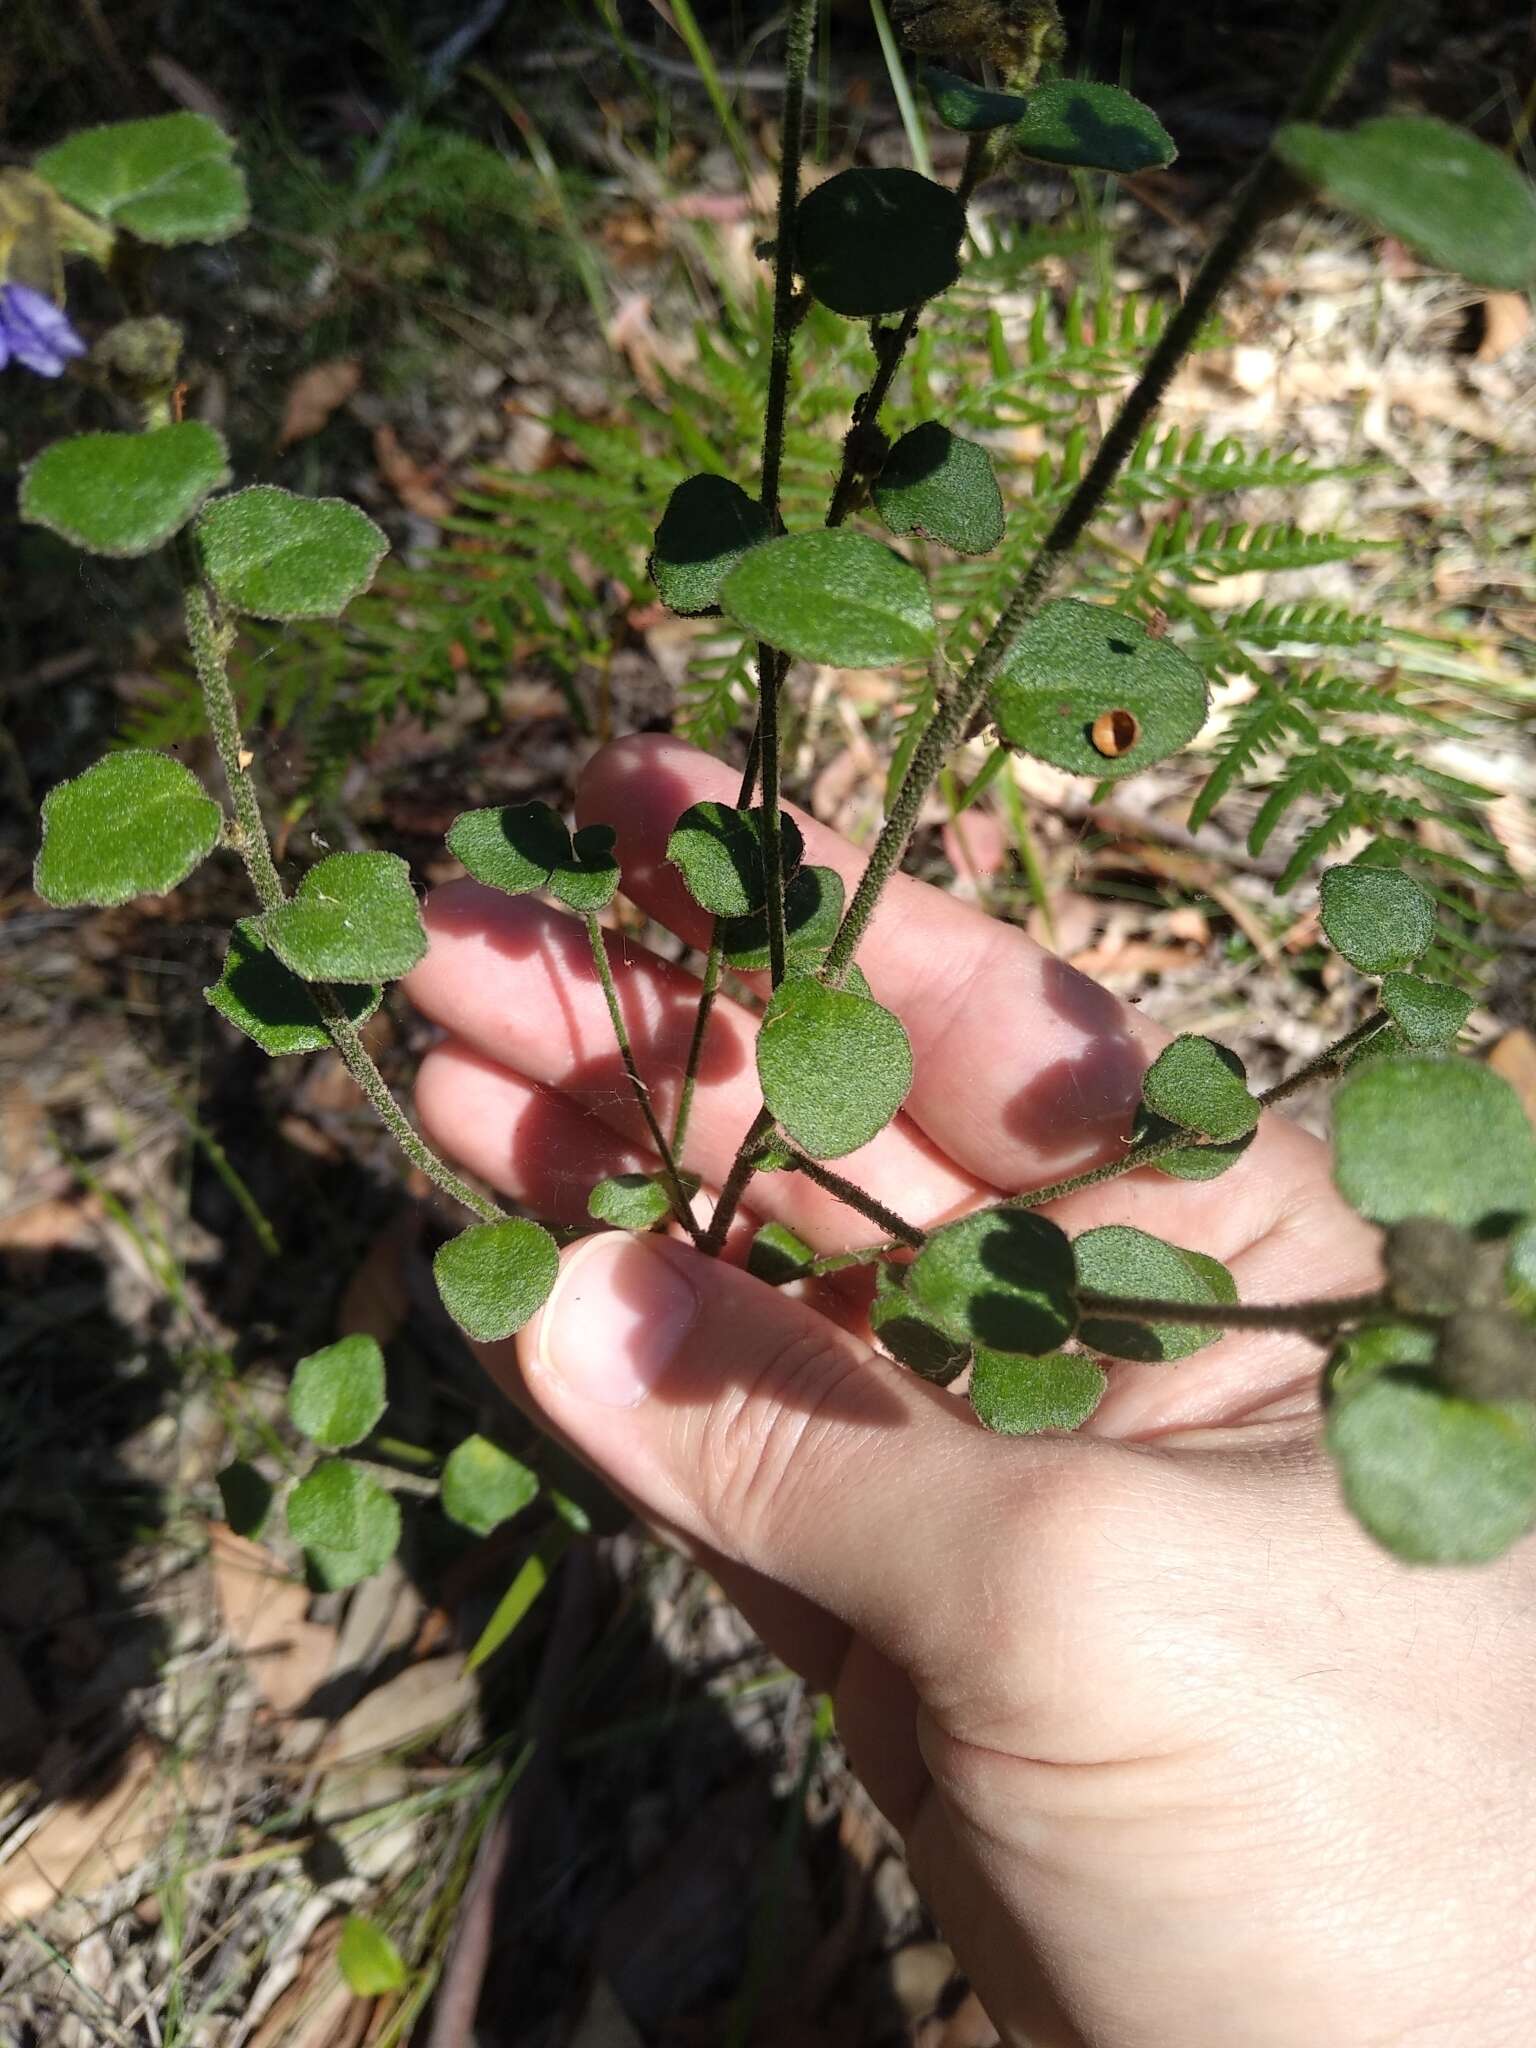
(1179,1756)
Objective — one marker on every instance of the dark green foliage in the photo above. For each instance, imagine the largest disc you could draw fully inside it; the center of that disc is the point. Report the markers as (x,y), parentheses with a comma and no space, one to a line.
(935,483)
(246,1497)
(1003,1279)
(1428,1014)
(896,1319)
(718,851)
(520,848)
(833,596)
(124,494)
(1200,1086)
(778,1256)
(1021,1396)
(494,1276)
(1188,1162)
(135,824)
(834,1066)
(1083,126)
(336,1395)
(1427,1136)
(971,109)
(707,527)
(270,1004)
(346,1523)
(1120,1260)
(813,907)
(878,241)
(1378,918)
(353,918)
(279,556)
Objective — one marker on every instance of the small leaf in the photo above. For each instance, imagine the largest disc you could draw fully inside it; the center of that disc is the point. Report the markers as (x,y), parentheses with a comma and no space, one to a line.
(778,1256)
(1074,663)
(1434,1478)
(1378,918)
(347,1525)
(1022,1396)
(1091,128)
(269,1003)
(1202,1087)
(124,494)
(707,527)
(1457,202)
(494,1276)
(909,1336)
(834,1067)
(718,851)
(813,910)
(279,556)
(1426,1013)
(1427,1136)
(1003,1279)
(353,918)
(1387,1043)
(937,484)
(1117,1259)
(971,109)
(631,1201)
(368,1959)
(167,180)
(587,879)
(336,1396)
(247,1498)
(1188,1162)
(519,848)
(1376,1348)
(878,241)
(135,824)
(483,1486)
(832,596)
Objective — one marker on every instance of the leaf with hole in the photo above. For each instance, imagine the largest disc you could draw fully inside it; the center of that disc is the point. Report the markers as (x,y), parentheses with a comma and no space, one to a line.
(778,1256)
(1088,127)
(1433,1136)
(1015,1396)
(1074,664)
(835,597)
(123,494)
(368,1960)
(877,241)
(1428,1014)
(707,527)
(270,1004)
(1458,203)
(494,1277)
(484,1486)
(1187,1162)
(354,917)
(345,1522)
(1002,1279)
(1120,1260)
(135,824)
(834,1067)
(246,1496)
(630,1201)
(336,1396)
(967,108)
(939,485)
(718,851)
(899,1323)
(276,555)
(1202,1087)
(167,180)
(1379,918)
(813,910)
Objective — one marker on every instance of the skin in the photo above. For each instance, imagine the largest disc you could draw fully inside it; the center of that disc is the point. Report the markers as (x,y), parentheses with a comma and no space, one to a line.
(1180,1757)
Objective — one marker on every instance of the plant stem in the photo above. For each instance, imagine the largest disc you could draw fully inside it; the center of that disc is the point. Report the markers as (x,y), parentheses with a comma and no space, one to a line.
(1319,1317)
(742,1168)
(839,1262)
(1330,1057)
(707,988)
(867,1205)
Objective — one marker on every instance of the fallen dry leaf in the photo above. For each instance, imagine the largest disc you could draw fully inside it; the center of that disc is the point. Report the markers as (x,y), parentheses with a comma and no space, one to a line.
(1514,1058)
(413,484)
(49,1226)
(265,1612)
(419,1699)
(1506,322)
(103,1834)
(315,395)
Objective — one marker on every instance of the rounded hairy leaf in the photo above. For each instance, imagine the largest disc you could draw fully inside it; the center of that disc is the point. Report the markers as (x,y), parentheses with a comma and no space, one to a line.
(167,180)
(707,527)
(1387,1043)
(1118,1259)
(124,494)
(1457,202)
(1188,1162)
(483,1486)
(899,1323)
(1428,1136)
(1021,1396)
(1378,918)
(971,109)
(1434,1478)
(515,847)
(587,879)
(1003,1279)
(630,1201)
(135,824)
(279,556)
(494,1276)
(336,1396)
(247,1497)
(368,1959)
(1376,1348)
(353,918)
(935,483)
(718,850)
(878,241)
(1074,677)
(777,1255)
(834,1066)
(346,1523)
(1092,128)
(1427,1013)
(1202,1087)
(813,910)
(832,596)
(270,1004)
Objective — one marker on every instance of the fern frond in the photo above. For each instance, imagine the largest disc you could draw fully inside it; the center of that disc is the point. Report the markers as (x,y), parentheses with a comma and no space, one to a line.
(1191,553)
(1170,463)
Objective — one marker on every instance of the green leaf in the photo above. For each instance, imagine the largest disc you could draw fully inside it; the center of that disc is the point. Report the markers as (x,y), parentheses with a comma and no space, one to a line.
(483,1486)
(707,527)
(1117,1259)
(166,180)
(1457,202)
(269,1003)
(1520,1270)
(1090,690)
(1376,1348)
(778,1256)
(123,494)
(1378,918)
(1202,1087)
(718,851)
(1387,1043)
(336,1396)
(368,1959)
(523,847)
(1021,1396)
(135,824)
(834,1067)
(1434,1478)
(631,1201)
(937,484)
(1188,1162)
(832,596)
(909,1336)
(1429,1136)
(279,556)
(971,109)
(1003,1279)
(1091,128)
(247,1498)
(347,1525)
(878,241)
(588,879)
(813,910)
(494,1276)
(353,918)
(1427,1013)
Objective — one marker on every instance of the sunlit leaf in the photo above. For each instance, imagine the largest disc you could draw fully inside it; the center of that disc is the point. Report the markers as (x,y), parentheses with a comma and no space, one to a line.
(123,494)
(494,1276)
(346,1523)
(778,1256)
(834,1066)
(368,1959)
(899,1322)
(813,909)
(167,180)
(1202,1087)
(631,1201)
(1016,1396)
(1091,127)
(135,824)
(877,241)
(336,1396)
(1379,918)
(484,1486)
(270,1004)
(832,596)
(1188,1162)
(937,484)
(518,848)
(970,109)
(353,918)
(1428,1136)
(1120,1260)
(718,851)
(1003,1279)
(275,555)
(1427,1013)
(707,527)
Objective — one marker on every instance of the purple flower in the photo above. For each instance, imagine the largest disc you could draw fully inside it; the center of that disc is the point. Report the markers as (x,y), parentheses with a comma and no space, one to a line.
(35,332)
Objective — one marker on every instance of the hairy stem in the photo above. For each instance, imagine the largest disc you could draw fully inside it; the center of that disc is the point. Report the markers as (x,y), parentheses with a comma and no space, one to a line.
(839,1262)
(855,1198)
(742,1169)
(1325,1062)
(707,988)
(677,1194)
(1320,1318)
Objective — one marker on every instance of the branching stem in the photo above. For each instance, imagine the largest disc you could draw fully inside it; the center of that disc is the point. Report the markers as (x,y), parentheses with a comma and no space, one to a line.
(855,1197)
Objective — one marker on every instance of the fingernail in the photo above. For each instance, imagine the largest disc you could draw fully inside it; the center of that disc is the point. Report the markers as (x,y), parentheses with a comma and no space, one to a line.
(613,1325)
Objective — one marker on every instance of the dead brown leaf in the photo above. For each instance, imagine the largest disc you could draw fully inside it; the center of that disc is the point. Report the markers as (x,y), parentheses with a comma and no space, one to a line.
(88,1842)
(315,395)
(265,1613)
(1514,1058)
(415,485)
(1506,322)
(421,1698)
(49,1226)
